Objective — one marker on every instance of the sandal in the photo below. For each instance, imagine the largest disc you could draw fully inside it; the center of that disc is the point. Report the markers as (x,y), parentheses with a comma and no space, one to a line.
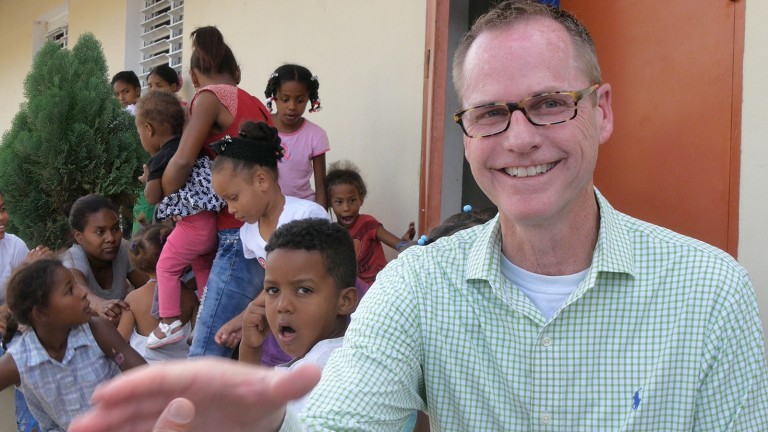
(171,333)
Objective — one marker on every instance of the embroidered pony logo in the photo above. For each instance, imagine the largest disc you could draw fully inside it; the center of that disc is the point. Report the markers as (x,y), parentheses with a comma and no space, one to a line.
(637,399)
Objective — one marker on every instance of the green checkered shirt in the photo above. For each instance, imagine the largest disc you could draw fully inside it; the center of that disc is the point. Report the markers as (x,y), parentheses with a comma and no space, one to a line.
(663,334)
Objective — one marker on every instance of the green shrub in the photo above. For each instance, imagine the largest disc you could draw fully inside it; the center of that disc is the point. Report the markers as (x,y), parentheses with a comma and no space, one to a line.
(70,137)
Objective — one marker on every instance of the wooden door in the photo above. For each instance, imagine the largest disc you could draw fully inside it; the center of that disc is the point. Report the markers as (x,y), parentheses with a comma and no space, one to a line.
(675,69)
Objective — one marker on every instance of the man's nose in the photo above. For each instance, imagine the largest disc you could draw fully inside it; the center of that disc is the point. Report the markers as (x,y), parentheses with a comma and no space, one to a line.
(521,136)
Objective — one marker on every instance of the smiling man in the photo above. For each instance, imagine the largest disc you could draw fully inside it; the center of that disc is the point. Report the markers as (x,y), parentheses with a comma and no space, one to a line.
(561,314)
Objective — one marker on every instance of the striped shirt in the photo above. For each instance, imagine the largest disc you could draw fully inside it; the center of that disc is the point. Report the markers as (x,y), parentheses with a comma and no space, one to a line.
(662,334)
(57,392)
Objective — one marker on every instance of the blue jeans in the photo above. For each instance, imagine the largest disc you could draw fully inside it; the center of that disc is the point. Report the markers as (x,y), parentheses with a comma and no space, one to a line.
(24,419)
(233,283)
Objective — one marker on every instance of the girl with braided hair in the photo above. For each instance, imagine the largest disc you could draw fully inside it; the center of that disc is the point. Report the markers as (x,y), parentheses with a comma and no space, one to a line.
(291,87)
(245,175)
(217,109)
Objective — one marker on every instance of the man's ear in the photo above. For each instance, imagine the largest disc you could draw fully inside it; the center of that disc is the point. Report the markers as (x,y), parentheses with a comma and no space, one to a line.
(348,299)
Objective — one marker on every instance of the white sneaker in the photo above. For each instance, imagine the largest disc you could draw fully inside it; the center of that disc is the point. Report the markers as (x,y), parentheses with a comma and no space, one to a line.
(172,333)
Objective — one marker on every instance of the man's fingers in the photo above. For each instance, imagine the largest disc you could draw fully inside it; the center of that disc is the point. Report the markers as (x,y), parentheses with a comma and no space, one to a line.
(177,416)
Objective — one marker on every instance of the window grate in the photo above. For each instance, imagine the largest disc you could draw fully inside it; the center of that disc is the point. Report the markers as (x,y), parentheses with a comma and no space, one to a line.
(162,30)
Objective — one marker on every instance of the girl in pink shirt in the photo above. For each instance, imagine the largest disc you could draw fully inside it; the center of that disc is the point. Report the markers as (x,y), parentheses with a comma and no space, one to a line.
(304,143)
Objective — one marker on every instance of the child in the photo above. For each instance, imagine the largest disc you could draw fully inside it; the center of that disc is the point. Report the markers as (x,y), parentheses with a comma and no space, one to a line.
(245,176)
(160,119)
(309,293)
(347,191)
(217,109)
(137,322)
(304,143)
(127,89)
(164,77)
(65,354)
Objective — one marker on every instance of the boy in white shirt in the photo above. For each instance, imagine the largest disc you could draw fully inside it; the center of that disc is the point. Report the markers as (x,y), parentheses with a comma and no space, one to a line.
(309,293)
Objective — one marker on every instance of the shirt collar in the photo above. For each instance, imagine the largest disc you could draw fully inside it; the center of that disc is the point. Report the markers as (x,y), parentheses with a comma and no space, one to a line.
(38,354)
(613,252)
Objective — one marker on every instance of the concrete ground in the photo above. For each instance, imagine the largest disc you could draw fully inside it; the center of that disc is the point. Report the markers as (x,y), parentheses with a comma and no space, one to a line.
(7,407)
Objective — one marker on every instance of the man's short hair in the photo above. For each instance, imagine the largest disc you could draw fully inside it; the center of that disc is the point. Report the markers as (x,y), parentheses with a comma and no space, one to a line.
(321,235)
(514,11)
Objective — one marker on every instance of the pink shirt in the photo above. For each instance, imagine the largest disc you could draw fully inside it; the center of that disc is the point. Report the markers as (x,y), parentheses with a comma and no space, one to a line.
(295,169)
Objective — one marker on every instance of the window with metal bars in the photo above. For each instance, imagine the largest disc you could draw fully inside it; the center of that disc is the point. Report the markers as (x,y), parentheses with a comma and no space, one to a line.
(162,33)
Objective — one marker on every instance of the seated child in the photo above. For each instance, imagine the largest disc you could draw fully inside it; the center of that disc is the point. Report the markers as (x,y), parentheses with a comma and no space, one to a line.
(309,293)
(160,120)
(66,353)
(127,89)
(347,191)
(137,322)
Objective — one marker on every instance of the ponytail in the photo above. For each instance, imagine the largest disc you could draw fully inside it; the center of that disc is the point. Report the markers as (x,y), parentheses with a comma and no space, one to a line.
(210,54)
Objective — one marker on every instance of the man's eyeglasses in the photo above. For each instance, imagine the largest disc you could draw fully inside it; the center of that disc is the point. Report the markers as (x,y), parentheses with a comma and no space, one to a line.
(541,110)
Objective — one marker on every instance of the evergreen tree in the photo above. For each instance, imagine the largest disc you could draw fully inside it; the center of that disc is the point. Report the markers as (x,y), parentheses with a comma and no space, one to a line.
(70,138)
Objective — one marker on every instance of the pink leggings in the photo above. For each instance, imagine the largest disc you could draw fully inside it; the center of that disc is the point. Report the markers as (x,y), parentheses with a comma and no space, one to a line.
(194,241)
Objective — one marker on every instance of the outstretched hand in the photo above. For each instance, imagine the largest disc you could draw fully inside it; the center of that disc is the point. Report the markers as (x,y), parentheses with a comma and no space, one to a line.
(225,395)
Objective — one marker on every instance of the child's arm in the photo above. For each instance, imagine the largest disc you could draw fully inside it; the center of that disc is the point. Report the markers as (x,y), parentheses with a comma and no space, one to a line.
(391,240)
(114,346)
(153,191)
(9,373)
(318,166)
(255,331)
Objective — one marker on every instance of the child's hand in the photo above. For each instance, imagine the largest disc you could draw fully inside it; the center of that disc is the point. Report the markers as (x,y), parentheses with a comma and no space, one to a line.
(143,178)
(408,236)
(110,310)
(255,325)
(38,253)
(229,334)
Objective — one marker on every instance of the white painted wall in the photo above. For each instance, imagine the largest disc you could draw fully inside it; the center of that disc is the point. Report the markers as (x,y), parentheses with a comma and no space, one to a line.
(753,205)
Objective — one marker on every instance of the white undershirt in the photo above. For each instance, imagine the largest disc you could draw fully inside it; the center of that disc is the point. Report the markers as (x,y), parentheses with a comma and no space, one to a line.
(547,293)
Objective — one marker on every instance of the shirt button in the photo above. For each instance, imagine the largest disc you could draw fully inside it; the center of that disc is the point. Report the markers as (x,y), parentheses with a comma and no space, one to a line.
(546,418)
(546,341)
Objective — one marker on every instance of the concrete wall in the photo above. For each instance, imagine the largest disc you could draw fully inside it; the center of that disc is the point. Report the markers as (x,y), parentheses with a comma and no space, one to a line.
(17,19)
(753,206)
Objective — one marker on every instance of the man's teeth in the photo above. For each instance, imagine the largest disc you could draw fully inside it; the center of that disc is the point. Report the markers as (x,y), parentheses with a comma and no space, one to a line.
(529,171)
